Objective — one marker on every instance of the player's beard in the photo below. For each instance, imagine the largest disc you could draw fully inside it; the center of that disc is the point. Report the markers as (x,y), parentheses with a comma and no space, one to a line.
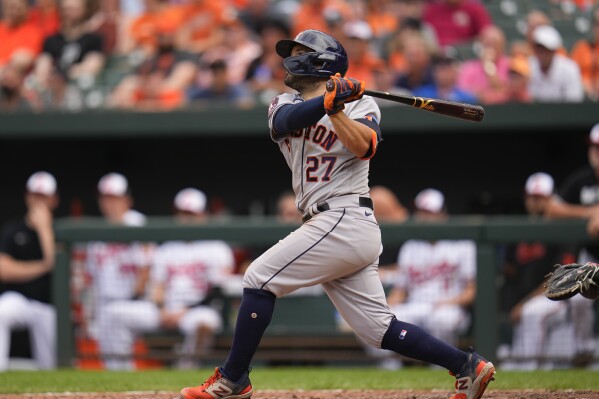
(300,83)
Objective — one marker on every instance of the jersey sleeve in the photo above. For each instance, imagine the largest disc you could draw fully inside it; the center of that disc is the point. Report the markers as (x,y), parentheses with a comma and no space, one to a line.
(468,260)
(275,105)
(222,263)
(364,108)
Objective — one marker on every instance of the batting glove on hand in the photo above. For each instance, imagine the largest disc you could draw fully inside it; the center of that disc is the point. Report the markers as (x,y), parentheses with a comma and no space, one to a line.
(341,90)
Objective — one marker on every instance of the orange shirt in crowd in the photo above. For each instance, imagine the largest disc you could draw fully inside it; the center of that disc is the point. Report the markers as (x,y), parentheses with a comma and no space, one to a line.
(382,23)
(363,68)
(311,16)
(146,28)
(26,36)
(204,18)
(586,55)
(47,21)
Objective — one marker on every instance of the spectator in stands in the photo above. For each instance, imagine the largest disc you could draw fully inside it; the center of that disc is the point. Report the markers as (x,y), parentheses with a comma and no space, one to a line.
(27,253)
(362,60)
(118,271)
(536,319)
(518,77)
(578,197)
(409,28)
(487,76)
(221,90)
(200,28)
(258,14)
(456,21)
(159,82)
(324,15)
(60,94)
(44,14)
(535,18)
(13,96)
(444,86)
(418,71)
(238,49)
(586,54)
(554,77)
(158,19)
(382,17)
(183,277)
(265,73)
(74,50)
(20,38)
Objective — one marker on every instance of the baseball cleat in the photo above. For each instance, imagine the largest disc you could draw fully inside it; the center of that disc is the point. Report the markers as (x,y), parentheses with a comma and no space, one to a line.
(474,377)
(218,387)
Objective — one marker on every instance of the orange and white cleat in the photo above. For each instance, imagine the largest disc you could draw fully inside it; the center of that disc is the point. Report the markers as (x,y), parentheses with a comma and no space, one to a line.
(218,387)
(474,377)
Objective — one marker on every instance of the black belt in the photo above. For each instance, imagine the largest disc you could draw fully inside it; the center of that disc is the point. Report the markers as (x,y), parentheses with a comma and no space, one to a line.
(324,206)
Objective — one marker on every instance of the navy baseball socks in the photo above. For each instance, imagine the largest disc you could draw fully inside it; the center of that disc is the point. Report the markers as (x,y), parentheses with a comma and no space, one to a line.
(232,381)
(473,373)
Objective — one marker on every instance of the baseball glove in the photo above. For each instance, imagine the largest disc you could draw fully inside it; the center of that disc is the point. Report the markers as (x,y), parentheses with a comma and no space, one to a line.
(341,90)
(571,279)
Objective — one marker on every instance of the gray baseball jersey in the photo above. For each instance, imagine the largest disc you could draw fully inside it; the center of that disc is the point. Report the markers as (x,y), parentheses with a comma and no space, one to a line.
(321,166)
(338,247)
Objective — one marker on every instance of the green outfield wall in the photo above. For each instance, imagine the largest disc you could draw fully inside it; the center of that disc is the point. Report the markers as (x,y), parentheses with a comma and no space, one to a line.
(488,232)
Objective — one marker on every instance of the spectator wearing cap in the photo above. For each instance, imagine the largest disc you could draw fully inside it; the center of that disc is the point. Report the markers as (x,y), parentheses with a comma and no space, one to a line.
(185,277)
(554,77)
(578,197)
(434,284)
(444,86)
(456,21)
(586,54)
(518,77)
(27,253)
(487,76)
(534,322)
(362,60)
(117,271)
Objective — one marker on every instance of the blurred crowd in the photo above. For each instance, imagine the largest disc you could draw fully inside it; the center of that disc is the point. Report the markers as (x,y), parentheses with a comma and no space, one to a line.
(159,55)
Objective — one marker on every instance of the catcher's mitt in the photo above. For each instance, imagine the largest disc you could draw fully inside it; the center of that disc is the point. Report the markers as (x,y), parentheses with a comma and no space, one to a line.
(571,279)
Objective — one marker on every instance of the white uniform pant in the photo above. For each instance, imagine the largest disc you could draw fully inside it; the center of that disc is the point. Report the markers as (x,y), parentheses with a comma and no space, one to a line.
(338,249)
(121,321)
(17,311)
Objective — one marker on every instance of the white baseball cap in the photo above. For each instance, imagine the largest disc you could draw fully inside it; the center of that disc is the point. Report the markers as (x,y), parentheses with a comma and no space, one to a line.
(113,184)
(430,200)
(539,184)
(358,29)
(190,200)
(594,135)
(41,183)
(547,36)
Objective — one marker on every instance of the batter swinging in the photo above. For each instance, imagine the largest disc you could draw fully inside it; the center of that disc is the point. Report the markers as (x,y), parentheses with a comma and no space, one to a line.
(327,140)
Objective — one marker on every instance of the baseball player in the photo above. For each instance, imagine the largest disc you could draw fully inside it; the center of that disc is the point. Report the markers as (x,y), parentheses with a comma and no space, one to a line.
(435,281)
(27,253)
(181,277)
(327,133)
(118,271)
(540,326)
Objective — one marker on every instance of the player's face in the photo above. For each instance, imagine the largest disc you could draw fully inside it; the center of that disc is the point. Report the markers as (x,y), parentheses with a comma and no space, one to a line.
(114,207)
(296,82)
(536,204)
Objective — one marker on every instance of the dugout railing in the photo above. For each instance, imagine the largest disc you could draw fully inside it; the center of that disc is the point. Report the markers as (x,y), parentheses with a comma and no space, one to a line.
(488,232)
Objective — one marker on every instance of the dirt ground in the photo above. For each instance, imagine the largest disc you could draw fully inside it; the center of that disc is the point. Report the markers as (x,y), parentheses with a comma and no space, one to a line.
(327,394)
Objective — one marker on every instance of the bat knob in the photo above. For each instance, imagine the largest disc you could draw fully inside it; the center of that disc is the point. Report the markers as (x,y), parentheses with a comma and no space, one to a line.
(330,85)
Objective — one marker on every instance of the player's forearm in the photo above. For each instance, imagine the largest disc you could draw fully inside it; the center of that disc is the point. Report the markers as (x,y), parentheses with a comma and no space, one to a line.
(557,210)
(355,136)
(48,246)
(290,118)
(16,271)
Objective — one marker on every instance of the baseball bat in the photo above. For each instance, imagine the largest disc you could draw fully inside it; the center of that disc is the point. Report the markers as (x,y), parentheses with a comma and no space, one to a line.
(468,112)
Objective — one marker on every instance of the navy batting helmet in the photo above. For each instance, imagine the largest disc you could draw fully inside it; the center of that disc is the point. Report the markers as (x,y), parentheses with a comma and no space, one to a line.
(328,56)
